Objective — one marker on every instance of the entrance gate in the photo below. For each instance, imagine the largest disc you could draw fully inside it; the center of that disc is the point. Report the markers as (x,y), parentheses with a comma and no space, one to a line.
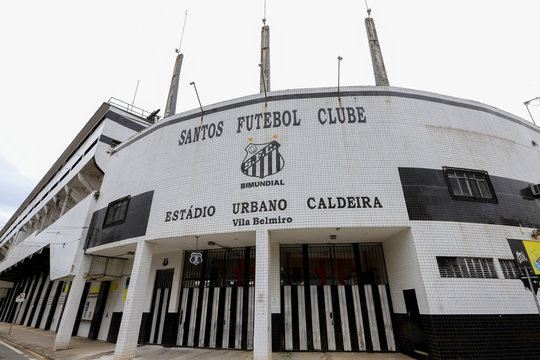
(335,298)
(217,301)
(160,304)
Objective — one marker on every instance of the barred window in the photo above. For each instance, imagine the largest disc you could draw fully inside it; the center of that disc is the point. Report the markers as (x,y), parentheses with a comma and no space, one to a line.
(466,267)
(509,269)
(116,212)
(469,185)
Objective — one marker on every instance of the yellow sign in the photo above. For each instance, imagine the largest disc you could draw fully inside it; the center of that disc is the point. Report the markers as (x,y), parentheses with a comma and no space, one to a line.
(126,288)
(533,251)
(114,286)
(94,289)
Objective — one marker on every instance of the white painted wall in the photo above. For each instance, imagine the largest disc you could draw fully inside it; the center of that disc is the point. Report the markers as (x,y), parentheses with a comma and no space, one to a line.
(65,237)
(115,298)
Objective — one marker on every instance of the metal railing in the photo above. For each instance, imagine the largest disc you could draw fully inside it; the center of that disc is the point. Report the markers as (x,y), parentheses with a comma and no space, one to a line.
(129,107)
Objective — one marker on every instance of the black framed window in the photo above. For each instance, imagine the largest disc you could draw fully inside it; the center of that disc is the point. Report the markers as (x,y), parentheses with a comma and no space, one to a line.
(116,212)
(473,185)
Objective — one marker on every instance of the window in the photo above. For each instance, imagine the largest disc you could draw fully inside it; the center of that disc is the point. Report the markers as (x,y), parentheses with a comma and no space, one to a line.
(469,185)
(116,212)
(115,143)
(509,269)
(466,267)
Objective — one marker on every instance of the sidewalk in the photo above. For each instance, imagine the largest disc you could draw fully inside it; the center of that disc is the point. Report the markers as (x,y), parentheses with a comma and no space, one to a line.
(41,343)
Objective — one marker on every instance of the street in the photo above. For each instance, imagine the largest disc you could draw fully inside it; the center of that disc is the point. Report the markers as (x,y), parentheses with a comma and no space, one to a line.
(9,352)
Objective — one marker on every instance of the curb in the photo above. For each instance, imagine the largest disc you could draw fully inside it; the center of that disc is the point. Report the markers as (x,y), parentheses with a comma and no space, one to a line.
(22,347)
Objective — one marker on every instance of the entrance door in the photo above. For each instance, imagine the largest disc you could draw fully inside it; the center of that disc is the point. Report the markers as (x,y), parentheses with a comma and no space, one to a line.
(217,301)
(160,303)
(335,298)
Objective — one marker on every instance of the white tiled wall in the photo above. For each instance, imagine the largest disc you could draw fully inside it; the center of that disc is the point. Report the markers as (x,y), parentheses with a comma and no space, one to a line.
(323,160)
(403,271)
(469,296)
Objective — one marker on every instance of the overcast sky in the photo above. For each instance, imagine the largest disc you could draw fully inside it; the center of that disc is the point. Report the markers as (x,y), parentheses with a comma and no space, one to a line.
(61,59)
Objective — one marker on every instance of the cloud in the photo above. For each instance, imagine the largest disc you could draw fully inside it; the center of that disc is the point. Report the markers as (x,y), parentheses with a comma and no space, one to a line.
(14,188)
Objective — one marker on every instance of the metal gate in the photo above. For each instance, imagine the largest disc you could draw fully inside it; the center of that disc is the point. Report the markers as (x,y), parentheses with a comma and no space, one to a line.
(160,304)
(217,301)
(335,298)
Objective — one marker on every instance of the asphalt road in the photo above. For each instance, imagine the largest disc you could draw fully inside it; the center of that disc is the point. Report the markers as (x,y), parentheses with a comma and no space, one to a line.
(8,352)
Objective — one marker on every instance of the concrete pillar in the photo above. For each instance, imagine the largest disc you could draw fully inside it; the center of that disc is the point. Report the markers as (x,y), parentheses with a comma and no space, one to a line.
(275,279)
(64,206)
(262,338)
(126,344)
(47,217)
(72,305)
(86,182)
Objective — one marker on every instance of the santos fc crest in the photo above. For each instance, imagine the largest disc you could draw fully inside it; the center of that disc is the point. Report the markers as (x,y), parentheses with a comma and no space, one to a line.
(262,160)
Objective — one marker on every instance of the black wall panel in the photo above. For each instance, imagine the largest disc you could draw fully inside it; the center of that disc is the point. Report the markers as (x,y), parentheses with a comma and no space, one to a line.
(428,198)
(474,337)
(114,328)
(134,225)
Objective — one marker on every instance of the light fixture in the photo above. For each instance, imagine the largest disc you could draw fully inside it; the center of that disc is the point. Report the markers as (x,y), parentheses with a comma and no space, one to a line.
(526,103)
(213,243)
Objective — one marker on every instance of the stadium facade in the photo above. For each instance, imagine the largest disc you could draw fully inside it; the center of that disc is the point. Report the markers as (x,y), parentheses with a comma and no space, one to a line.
(369,218)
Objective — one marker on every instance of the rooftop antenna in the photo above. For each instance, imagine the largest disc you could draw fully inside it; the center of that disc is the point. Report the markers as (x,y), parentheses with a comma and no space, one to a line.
(339,58)
(368,9)
(135,95)
(170,108)
(197,93)
(182,36)
(381,78)
(265,55)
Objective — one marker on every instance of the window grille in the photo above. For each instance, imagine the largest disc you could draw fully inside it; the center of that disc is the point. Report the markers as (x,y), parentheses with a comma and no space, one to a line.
(466,267)
(221,268)
(332,264)
(509,269)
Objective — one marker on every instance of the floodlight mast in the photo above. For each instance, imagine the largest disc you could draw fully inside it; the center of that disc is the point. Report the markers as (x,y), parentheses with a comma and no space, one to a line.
(265,56)
(170,108)
(379,70)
